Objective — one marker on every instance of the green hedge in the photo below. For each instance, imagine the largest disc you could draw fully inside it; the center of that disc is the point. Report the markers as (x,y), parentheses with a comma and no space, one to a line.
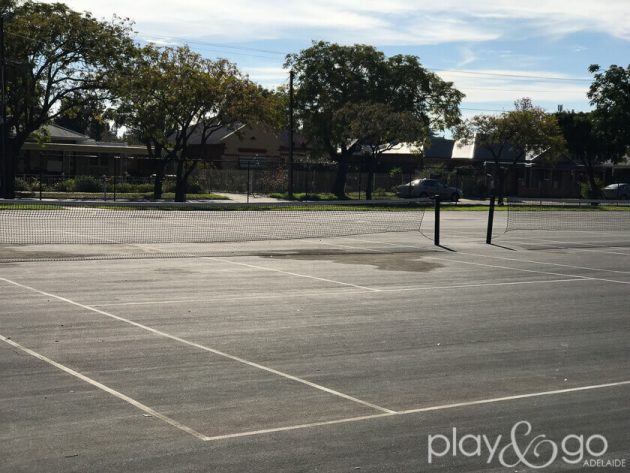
(87,184)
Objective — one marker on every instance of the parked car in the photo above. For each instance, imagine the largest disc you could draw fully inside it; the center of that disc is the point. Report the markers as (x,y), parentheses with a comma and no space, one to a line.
(428,188)
(619,191)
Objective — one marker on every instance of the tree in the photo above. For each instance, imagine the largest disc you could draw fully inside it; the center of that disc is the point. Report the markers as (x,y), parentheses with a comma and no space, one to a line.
(330,77)
(585,143)
(88,115)
(525,131)
(376,136)
(224,98)
(171,94)
(56,60)
(610,95)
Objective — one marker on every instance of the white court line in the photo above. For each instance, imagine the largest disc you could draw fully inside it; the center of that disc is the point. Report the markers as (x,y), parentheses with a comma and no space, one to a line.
(514,398)
(332,293)
(238,298)
(441,407)
(289,428)
(523,261)
(253,266)
(545,263)
(107,389)
(390,413)
(464,286)
(528,270)
(589,250)
(204,348)
(385,413)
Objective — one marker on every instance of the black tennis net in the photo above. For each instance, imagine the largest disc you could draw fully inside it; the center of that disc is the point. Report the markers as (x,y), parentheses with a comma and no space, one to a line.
(85,223)
(568,215)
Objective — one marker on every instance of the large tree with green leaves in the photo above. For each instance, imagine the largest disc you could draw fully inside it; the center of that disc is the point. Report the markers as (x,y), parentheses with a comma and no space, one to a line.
(586,144)
(610,95)
(512,136)
(56,60)
(89,116)
(330,77)
(171,94)
(374,136)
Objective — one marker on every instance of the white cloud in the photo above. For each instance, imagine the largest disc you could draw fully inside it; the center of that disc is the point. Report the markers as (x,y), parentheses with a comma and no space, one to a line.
(381,22)
(270,77)
(505,89)
(468,57)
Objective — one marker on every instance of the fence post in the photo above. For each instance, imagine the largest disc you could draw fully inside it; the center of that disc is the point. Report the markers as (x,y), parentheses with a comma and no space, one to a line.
(490,220)
(248,168)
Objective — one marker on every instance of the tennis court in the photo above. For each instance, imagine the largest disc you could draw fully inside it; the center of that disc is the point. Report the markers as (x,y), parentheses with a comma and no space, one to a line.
(334,354)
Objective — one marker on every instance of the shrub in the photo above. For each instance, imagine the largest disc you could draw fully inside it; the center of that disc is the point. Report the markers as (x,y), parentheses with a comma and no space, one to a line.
(66,185)
(34,185)
(585,189)
(168,186)
(87,184)
(194,187)
(124,187)
(146,187)
(21,184)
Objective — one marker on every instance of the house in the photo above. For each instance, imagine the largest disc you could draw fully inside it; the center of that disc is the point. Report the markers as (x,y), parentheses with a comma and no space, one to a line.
(524,175)
(245,146)
(409,157)
(69,153)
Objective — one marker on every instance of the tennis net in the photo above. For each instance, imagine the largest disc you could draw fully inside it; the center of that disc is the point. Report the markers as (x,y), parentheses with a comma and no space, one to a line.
(568,215)
(85,223)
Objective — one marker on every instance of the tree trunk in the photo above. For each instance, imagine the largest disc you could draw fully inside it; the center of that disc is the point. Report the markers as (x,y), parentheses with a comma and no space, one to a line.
(339,186)
(500,190)
(595,192)
(10,161)
(159,178)
(180,182)
(370,180)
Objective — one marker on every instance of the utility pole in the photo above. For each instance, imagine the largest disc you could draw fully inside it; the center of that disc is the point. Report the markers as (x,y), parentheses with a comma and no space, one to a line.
(4,135)
(291,125)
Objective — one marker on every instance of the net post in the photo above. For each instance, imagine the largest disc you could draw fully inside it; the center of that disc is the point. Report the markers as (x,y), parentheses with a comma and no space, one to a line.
(490,220)
(436,239)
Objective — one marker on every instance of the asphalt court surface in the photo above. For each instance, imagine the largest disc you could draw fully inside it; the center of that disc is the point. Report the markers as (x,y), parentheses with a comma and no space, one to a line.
(343,354)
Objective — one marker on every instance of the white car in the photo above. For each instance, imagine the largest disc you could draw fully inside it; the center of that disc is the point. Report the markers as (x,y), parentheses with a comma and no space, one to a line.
(619,191)
(428,188)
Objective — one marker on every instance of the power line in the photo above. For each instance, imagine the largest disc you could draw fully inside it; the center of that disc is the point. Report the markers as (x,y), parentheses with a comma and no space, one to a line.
(511,90)
(515,76)
(213,45)
(457,71)
(273,52)
(481,110)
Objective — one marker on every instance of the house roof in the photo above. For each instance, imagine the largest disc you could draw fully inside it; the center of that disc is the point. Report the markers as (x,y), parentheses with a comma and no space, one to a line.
(216,137)
(60,134)
(62,139)
(298,140)
(440,148)
(475,152)
(403,148)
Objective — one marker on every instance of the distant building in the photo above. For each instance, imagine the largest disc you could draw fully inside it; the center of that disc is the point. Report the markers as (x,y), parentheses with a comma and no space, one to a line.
(245,145)
(71,154)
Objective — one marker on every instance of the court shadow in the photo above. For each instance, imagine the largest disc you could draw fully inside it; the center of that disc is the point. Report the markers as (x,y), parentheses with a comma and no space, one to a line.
(446,248)
(501,246)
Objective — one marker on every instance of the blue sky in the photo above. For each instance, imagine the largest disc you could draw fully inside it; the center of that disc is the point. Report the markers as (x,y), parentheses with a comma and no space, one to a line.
(495,51)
